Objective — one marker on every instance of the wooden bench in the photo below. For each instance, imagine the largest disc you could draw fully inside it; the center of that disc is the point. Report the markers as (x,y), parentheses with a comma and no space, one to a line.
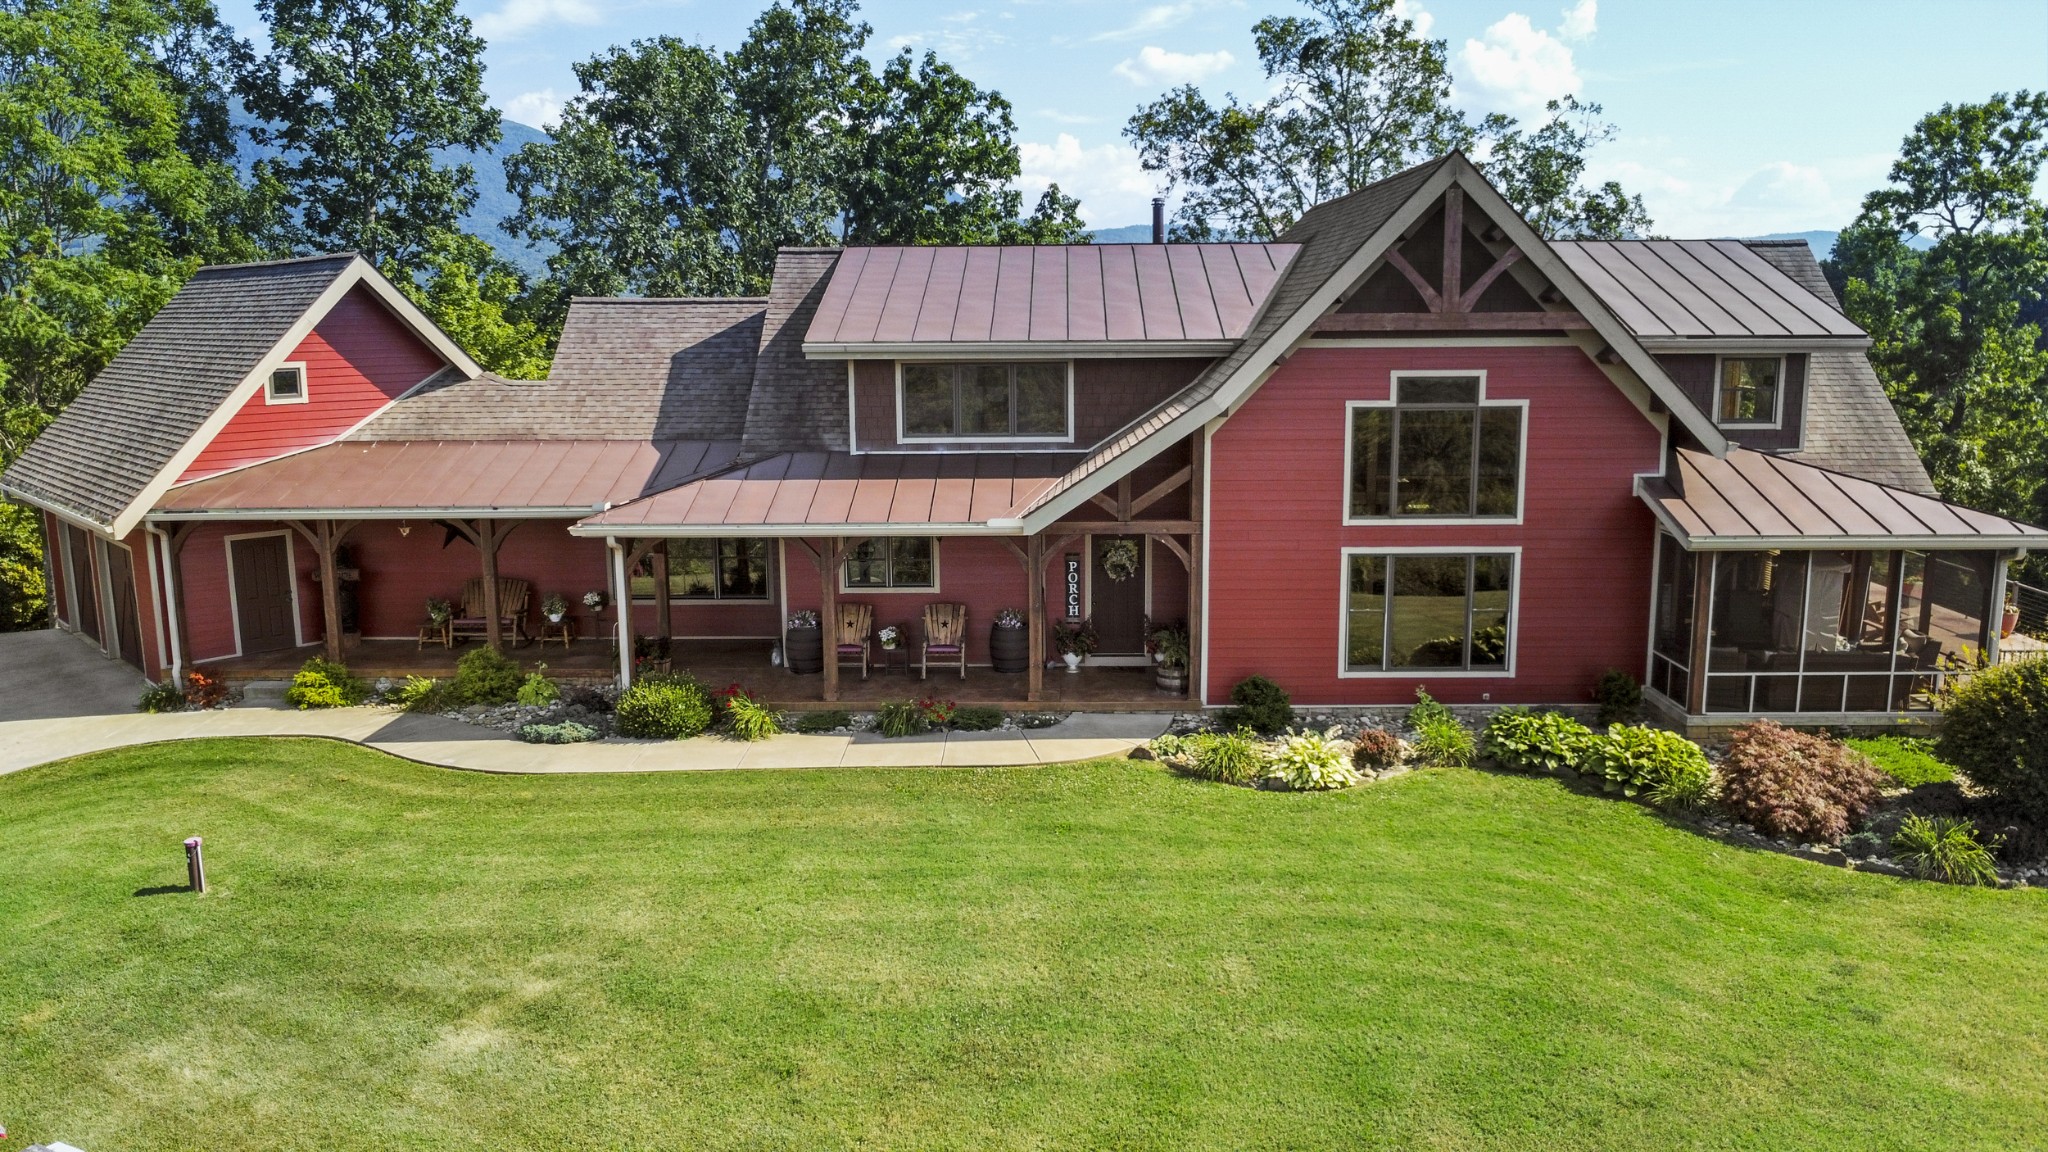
(513,595)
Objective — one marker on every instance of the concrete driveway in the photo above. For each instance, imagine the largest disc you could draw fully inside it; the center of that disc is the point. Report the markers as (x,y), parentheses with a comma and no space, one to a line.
(45,675)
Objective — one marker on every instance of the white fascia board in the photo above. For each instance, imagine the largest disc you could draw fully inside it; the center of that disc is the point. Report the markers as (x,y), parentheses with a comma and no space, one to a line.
(1761,345)
(1022,349)
(62,512)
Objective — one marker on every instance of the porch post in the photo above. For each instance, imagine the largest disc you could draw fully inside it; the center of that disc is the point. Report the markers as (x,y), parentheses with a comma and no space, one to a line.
(172,617)
(1034,600)
(487,544)
(661,624)
(828,611)
(623,599)
(330,590)
(1196,451)
(1702,631)
(1994,617)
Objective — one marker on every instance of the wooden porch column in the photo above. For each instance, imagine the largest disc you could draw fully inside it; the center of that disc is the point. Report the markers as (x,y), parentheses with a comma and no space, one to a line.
(174,587)
(326,536)
(1702,631)
(1197,450)
(828,611)
(487,545)
(661,624)
(1034,598)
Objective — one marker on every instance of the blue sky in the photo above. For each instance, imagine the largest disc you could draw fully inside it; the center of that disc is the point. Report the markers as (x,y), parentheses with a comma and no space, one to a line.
(1736,117)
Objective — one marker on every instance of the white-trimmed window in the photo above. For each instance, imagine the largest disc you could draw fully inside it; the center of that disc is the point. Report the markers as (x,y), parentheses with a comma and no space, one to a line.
(1438,451)
(1027,400)
(892,563)
(705,569)
(1430,611)
(1751,392)
(287,385)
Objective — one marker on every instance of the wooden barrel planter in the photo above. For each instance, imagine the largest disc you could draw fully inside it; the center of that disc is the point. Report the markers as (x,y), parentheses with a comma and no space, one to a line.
(803,649)
(1009,649)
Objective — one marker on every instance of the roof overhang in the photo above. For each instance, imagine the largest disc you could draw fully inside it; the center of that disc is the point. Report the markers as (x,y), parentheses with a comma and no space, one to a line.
(1753,345)
(1020,349)
(56,508)
(597,527)
(343,512)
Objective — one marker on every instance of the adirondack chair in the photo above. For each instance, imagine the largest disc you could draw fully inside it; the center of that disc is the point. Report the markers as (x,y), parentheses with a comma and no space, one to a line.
(513,595)
(945,638)
(856,624)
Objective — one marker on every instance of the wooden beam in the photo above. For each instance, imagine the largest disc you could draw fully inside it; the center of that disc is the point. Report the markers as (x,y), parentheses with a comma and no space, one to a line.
(828,613)
(662,627)
(1702,632)
(1019,553)
(1486,279)
(1429,295)
(1153,494)
(1450,321)
(1174,547)
(1123,497)
(1034,616)
(487,546)
(1126,527)
(1103,502)
(1454,243)
(330,590)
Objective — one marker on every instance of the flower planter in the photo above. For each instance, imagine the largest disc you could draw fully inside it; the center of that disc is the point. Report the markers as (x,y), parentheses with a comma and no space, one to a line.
(2009,621)
(1073,660)
(1009,649)
(1170,678)
(804,650)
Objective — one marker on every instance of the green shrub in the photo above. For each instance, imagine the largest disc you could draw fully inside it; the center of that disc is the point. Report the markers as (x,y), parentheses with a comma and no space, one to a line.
(1995,731)
(414,694)
(1524,741)
(1260,705)
(567,732)
(1794,784)
(1637,760)
(164,696)
(1177,751)
(537,691)
(1426,711)
(1231,757)
(1313,762)
(1944,848)
(902,718)
(1909,761)
(663,708)
(1620,699)
(487,677)
(749,720)
(325,684)
(817,722)
(977,718)
(1440,741)
(1690,788)
(1376,750)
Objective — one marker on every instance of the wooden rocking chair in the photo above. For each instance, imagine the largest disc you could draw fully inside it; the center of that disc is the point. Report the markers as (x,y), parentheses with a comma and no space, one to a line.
(513,595)
(945,637)
(856,622)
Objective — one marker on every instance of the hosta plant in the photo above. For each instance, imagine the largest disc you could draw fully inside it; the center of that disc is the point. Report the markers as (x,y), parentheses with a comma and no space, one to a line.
(1524,741)
(1637,760)
(1314,761)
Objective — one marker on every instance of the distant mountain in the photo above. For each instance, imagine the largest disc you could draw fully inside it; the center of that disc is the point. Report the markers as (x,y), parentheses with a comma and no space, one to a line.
(1128,234)
(1823,243)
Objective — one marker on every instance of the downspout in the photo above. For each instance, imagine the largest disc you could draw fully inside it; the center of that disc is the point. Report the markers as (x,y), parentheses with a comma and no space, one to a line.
(621,594)
(169,614)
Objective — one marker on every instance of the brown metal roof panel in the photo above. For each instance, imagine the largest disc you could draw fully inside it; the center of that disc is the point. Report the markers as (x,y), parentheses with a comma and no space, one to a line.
(750,504)
(911,503)
(1670,313)
(1123,315)
(1673,503)
(1853,518)
(792,501)
(1227,291)
(898,320)
(1878,503)
(1797,308)
(942,293)
(870,289)
(1639,317)
(1199,316)
(1806,517)
(521,487)
(1015,273)
(567,476)
(952,499)
(828,323)
(1026,494)
(1759,516)
(479,475)
(971,323)
(714,497)
(1157,305)
(871,501)
(1047,319)
(1085,316)
(1717,298)
(833,502)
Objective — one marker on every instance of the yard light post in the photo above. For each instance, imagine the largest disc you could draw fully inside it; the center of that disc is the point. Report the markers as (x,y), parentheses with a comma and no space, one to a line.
(195,865)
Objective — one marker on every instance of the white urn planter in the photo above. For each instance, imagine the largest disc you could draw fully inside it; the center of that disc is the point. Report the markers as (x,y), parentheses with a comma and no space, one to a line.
(1073,660)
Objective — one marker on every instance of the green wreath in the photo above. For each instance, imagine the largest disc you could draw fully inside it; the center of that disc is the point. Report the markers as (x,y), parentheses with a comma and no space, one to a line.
(1120,560)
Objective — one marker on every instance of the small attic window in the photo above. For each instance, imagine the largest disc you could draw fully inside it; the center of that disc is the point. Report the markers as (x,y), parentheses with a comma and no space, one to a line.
(287,385)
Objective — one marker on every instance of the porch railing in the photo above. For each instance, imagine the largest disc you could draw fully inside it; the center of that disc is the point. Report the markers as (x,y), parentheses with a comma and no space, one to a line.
(2029,637)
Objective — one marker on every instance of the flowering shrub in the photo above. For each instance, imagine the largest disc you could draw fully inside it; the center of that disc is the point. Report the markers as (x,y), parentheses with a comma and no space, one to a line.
(902,718)
(595,600)
(205,690)
(937,713)
(748,720)
(1793,784)
(1009,618)
(663,707)
(803,618)
(1314,761)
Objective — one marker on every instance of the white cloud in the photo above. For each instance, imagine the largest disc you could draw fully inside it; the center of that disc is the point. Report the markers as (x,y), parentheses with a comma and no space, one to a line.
(519,16)
(1580,21)
(1517,67)
(541,109)
(1113,189)
(1688,200)
(1153,66)
(1411,11)
(1152,19)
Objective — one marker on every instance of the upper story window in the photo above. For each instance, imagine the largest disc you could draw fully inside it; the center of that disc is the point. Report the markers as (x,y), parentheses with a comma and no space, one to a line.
(897,562)
(1025,401)
(1439,451)
(287,385)
(1750,392)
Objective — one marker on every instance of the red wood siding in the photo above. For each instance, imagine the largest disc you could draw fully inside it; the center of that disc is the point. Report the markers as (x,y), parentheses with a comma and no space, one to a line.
(204,580)
(1108,394)
(358,359)
(1277,490)
(976,571)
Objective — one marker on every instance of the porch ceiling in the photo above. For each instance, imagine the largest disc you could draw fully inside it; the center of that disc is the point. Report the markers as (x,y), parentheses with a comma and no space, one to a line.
(389,478)
(1755,500)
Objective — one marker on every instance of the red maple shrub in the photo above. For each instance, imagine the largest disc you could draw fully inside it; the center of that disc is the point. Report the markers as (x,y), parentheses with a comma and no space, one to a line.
(1789,783)
(1376,750)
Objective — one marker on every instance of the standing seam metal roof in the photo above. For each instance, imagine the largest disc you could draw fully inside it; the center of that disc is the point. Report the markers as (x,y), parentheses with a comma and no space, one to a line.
(1665,289)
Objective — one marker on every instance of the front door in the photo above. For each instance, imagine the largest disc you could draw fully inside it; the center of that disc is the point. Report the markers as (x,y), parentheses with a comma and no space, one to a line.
(126,623)
(1116,594)
(263,593)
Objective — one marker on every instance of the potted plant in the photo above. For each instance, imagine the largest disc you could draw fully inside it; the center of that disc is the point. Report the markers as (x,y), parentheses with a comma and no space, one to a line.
(554,607)
(891,637)
(1074,641)
(1009,642)
(595,600)
(803,644)
(1170,644)
(438,612)
(2011,619)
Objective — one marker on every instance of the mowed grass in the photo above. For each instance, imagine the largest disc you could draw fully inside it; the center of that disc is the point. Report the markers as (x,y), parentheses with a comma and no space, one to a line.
(1093,956)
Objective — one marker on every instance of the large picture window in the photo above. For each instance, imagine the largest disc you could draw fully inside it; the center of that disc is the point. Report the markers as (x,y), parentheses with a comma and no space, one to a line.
(1423,611)
(702,569)
(909,562)
(1027,401)
(1438,452)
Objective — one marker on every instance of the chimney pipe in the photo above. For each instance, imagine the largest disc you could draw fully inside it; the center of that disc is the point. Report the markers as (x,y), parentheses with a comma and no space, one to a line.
(1159,219)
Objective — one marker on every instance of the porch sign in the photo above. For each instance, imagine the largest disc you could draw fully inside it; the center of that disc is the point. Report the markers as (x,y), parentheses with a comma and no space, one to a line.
(1073,585)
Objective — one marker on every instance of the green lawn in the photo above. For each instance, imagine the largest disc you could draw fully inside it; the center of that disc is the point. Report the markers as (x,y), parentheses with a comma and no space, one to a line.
(1098,956)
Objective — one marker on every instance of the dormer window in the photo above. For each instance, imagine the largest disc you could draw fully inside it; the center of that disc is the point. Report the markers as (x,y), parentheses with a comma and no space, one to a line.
(1751,391)
(287,385)
(1032,400)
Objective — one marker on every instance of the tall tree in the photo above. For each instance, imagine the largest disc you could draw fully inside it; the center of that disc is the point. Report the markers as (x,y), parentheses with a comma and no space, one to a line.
(1966,372)
(484,305)
(789,81)
(362,96)
(1356,96)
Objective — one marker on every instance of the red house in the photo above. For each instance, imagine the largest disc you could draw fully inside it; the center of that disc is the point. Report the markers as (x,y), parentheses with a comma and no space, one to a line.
(1411,443)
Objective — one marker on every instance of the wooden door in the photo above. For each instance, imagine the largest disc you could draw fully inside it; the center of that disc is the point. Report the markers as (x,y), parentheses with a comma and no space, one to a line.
(84,581)
(263,593)
(126,623)
(1117,606)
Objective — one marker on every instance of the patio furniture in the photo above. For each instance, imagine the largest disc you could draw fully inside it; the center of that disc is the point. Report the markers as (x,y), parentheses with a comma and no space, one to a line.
(898,658)
(945,637)
(442,633)
(513,595)
(851,636)
(563,630)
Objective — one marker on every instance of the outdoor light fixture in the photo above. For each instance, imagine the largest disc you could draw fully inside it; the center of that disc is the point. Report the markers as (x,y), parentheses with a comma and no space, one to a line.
(405,528)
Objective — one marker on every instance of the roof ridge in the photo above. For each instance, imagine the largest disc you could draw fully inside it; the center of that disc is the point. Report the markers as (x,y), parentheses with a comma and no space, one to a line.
(668,299)
(350,254)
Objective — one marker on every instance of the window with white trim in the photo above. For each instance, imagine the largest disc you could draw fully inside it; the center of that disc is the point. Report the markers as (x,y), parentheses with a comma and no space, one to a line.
(1423,611)
(287,385)
(706,569)
(1439,451)
(895,562)
(1751,389)
(1032,400)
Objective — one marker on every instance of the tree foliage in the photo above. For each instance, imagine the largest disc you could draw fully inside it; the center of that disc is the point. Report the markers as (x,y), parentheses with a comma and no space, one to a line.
(484,305)
(1356,97)
(362,96)
(1950,341)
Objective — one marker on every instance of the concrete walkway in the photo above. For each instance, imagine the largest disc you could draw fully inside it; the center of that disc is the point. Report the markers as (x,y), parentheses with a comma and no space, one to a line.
(60,698)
